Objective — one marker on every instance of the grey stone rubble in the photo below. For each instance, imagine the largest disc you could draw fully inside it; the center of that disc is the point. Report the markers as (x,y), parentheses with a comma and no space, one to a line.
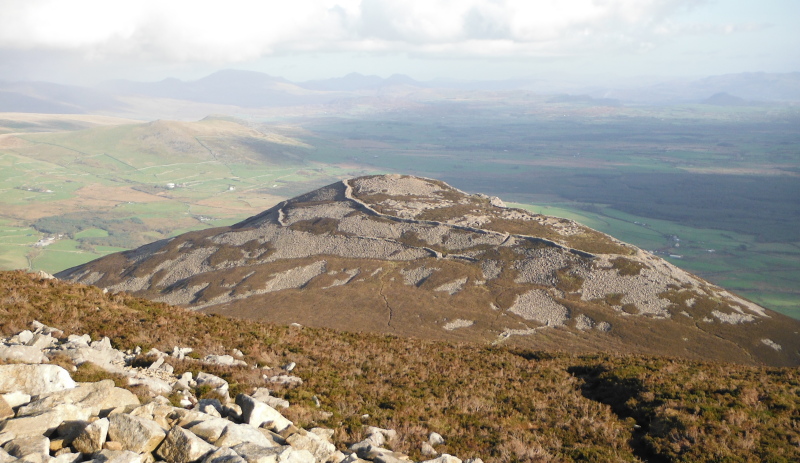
(37,346)
(46,417)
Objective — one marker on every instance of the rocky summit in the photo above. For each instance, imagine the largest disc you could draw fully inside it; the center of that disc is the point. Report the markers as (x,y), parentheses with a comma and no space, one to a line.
(414,256)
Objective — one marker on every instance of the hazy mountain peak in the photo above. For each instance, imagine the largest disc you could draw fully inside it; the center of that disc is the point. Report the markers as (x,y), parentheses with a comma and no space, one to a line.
(724,99)
(355,82)
(239,77)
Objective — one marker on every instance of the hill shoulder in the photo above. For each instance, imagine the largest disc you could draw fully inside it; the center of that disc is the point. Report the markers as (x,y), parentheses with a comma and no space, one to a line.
(412,256)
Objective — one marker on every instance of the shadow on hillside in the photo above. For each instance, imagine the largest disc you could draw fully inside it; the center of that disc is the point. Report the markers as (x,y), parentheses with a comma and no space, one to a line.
(600,384)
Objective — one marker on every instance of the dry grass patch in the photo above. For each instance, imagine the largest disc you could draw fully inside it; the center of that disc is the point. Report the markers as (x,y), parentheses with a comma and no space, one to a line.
(568,281)
(88,372)
(627,267)
(320,226)
(597,243)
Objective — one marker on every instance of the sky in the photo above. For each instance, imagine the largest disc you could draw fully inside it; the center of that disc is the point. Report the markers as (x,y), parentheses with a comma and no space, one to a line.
(84,42)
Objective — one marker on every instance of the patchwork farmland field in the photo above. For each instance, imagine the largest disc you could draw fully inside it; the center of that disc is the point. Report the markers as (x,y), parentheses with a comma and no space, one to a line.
(72,196)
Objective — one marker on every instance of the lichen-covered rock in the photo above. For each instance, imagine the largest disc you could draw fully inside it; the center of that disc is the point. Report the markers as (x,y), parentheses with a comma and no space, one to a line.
(257,413)
(224,455)
(235,434)
(26,446)
(182,446)
(444,458)
(23,354)
(317,445)
(92,437)
(98,397)
(254,453)
(45,423)
(134,433)
(5,409)
(34,379)
(121,456)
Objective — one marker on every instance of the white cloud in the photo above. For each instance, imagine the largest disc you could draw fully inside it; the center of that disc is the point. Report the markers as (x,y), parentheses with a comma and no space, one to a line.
(242,30)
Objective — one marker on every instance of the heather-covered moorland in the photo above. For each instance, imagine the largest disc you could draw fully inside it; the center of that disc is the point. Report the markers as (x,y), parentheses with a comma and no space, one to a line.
(502,405)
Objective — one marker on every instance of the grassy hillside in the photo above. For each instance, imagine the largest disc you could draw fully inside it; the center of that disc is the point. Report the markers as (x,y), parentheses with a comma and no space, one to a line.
(498,404)
(98,185)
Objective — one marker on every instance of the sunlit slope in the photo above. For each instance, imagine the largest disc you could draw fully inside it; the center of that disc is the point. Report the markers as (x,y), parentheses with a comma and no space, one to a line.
(503,405)
(34,122)
(416,257)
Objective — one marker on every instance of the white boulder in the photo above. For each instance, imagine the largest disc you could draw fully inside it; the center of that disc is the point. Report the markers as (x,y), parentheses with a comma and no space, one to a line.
(182,446)
(257,413)
(136,434)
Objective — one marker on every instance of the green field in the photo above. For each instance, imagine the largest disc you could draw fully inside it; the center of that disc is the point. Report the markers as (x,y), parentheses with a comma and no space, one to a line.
(15,243)
(103,189)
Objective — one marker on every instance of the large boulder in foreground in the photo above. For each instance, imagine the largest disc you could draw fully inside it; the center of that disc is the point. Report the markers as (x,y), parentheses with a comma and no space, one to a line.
(34,379)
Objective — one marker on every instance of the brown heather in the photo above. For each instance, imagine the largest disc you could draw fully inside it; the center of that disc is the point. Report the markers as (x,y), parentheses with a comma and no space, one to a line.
(503,405)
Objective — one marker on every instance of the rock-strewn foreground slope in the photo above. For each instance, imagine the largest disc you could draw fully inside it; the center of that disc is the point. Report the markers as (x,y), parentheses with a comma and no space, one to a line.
(414,256)
(45,416)
(502,405)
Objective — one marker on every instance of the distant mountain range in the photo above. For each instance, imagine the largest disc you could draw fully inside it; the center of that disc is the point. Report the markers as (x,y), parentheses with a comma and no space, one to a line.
(245,89)
(756,87)
(45,97)
(249,89)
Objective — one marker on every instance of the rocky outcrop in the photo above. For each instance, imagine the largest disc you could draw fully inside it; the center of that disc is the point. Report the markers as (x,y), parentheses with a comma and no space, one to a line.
(34,380)
(412,256)
(49,418)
